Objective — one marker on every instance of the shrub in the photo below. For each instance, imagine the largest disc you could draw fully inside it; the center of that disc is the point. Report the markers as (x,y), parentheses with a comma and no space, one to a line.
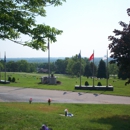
(86,83)
(13,79)
(9,79)
(99,84)
(58,82)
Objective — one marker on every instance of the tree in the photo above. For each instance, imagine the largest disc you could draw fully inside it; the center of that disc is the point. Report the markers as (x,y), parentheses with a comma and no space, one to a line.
(101,70)
(93,68)
(122,75)
(113,69)
(18,17)
(1,66)
(12,66)
(74,64)
(23,66)
(69,67)
(120,47)
(61,65)
(88,71)
(32,67)
(89,68)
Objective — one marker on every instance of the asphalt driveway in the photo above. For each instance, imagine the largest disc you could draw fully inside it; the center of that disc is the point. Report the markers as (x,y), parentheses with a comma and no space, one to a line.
(17,94)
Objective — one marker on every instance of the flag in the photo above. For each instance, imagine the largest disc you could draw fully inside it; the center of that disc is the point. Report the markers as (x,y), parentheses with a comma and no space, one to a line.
(104,58)
(91,57)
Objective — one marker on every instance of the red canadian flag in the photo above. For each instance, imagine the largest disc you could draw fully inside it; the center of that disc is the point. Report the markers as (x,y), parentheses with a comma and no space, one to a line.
(91,57)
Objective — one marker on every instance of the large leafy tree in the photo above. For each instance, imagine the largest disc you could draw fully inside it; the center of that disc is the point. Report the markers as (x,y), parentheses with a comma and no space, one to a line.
(12,66)
(23,66)
(113,69)
(61,65)
(122,75)
(120,47)
(75,65)
(18,17)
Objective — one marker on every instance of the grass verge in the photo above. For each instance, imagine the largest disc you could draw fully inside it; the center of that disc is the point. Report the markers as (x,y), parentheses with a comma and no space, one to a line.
(24,116)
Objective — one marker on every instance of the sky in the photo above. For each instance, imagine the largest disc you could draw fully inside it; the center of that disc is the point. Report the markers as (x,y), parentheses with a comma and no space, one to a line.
(86,25)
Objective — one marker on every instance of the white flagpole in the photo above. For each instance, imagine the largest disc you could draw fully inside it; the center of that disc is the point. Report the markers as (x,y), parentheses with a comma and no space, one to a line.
(48,59)
(80,68)
(5,65)
(0,67)
(93,68)
(107,71)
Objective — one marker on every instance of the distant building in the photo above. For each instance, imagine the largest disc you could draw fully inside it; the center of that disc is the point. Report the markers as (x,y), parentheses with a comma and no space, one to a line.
(42,70)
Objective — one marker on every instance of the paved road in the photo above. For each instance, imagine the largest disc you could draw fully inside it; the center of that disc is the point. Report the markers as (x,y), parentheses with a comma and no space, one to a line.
(17,94)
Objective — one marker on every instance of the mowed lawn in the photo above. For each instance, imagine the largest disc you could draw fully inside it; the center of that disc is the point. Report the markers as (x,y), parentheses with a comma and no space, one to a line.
(25,116)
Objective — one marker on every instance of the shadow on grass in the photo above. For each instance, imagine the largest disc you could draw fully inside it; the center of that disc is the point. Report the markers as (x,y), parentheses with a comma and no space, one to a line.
(117,122)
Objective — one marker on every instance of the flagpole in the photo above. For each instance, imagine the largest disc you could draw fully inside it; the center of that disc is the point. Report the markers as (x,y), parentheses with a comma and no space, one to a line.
(5,65)
(93,68)
(107,71)
(0,66)
(49,60)
(80,68)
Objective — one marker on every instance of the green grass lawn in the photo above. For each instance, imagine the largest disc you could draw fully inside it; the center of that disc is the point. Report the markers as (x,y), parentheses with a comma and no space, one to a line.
(24,116)
(32,80)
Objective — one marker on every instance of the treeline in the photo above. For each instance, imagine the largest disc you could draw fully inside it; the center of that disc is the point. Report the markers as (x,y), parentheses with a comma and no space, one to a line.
(72,66)
(18,66)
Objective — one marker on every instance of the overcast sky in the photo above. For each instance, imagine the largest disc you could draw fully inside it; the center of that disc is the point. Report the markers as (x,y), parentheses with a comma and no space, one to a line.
(86,25)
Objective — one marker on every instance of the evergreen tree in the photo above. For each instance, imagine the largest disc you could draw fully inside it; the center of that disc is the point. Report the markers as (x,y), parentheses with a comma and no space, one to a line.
(88,71)
(101,73)
(93,69)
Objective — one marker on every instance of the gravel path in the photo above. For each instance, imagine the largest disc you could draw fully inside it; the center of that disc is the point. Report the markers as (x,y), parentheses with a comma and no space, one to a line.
(17,94)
